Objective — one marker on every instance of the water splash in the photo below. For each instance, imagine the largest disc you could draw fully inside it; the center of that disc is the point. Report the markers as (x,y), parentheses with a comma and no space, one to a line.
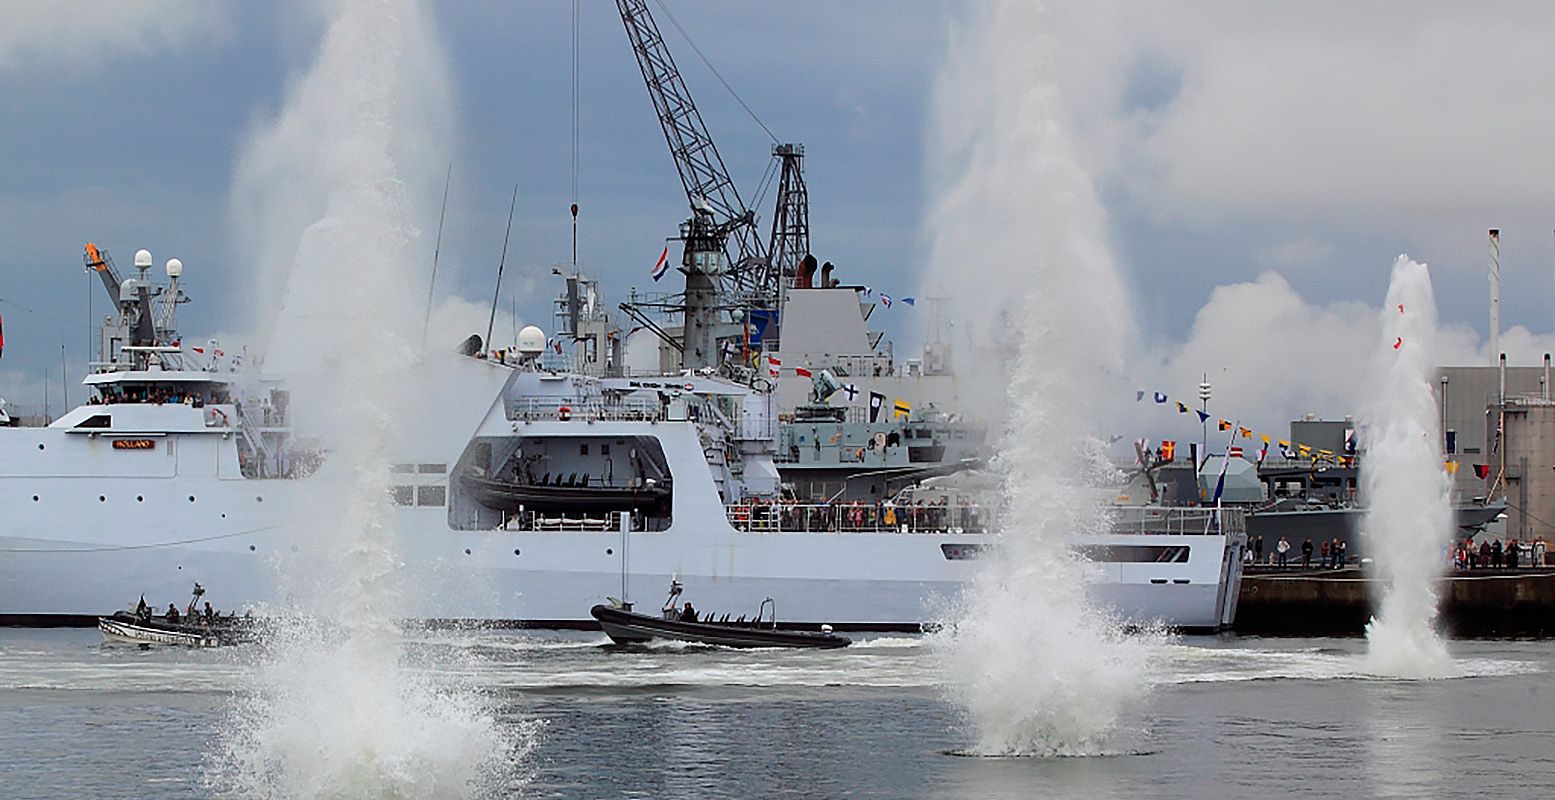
(338,709)
(1038,667)
(1408,493)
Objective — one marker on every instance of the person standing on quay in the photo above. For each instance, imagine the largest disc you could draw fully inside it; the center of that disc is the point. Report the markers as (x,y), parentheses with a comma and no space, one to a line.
(1283,549)
(1306,553)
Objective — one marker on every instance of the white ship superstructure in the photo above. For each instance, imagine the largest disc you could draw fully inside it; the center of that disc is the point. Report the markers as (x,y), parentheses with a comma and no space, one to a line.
(529,496)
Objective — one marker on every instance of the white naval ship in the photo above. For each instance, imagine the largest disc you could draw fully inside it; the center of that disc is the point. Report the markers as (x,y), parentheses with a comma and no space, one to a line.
(530,495)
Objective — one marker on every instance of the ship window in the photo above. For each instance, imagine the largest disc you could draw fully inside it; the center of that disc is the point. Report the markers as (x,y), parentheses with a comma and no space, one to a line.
(583,449)
(604,449)
(403,495)
(96,421)
(1136,553)
(432,469)
(403,468)
(431,495)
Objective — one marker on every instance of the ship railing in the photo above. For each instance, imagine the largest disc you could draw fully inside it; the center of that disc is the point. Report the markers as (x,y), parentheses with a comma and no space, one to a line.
(1183,521)
(537,409)
(856,518)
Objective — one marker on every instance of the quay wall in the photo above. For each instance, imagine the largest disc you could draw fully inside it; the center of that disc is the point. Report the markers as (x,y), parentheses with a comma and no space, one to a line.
(1339,603)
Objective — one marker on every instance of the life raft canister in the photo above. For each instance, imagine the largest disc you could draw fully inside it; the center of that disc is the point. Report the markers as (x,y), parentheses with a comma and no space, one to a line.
(564,413)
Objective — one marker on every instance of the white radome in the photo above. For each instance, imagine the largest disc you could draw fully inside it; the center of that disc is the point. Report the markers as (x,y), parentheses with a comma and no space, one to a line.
(175,268)
(531,341)
(143,259)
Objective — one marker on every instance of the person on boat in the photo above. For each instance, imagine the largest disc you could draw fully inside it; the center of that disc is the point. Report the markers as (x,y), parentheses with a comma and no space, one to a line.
(210,613)
(172,613)
(687,613)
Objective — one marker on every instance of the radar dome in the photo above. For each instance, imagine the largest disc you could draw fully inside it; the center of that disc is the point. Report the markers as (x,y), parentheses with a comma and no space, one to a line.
(175,268)
(531,341)
(143,259)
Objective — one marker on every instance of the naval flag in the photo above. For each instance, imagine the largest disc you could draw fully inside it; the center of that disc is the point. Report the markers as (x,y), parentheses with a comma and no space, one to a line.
(662,265)
(851,391)
(876,402)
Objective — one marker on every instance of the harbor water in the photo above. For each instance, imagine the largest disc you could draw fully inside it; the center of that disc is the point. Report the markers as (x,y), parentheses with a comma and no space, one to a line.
(1227,717)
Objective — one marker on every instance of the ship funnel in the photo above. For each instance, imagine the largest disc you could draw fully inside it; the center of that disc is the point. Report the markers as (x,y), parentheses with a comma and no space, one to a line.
(175,268)
(806,275)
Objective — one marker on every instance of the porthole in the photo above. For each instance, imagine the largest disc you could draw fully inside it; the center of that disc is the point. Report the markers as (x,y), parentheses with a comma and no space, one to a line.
(466,551)
(609,552)
(258,499)
(102,498)
(191,498)
(515,551)
(140,498)
(223,515)
(35,498)
(40,445)
(250,548)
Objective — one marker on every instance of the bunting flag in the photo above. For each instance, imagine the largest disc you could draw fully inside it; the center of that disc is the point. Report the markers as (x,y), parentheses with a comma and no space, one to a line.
(851,391)
(1481,471)
(876,402)
(911,301)
(1236,431)
(1452,467)
(802,372)
(1235,452)
(902,408)
(1168,450)
(885,299)
(662,265)
(2,336)
(773,364)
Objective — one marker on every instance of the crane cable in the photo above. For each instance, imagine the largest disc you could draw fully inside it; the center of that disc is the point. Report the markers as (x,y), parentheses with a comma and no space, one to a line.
(714,70)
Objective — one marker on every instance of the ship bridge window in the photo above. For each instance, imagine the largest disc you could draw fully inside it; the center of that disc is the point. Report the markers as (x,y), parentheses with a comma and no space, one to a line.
(432,469)
(431,495)
(96,421)
(402,468)
(403,495)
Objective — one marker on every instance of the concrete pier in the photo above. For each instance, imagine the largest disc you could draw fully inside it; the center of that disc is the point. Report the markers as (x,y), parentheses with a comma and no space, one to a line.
(1323,602)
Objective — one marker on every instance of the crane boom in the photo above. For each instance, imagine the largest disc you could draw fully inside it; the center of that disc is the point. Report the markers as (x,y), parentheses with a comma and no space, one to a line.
(702,171)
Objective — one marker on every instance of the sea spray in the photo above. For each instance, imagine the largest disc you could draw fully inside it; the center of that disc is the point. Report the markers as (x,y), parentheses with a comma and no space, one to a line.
(1019,237)
(1407,492)
(337,709)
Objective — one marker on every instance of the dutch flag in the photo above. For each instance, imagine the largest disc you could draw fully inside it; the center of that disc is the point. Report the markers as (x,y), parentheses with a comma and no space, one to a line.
(663,264)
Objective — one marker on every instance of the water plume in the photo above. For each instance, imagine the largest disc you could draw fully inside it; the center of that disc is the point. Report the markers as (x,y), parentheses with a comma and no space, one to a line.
(331,186)
(1020,250)
(1408,493)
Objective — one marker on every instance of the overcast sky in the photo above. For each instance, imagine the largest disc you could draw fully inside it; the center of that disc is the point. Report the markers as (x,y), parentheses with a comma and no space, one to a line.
(1260,167)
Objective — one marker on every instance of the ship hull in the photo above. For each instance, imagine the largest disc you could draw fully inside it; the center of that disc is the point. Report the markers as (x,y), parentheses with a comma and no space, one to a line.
(910,583)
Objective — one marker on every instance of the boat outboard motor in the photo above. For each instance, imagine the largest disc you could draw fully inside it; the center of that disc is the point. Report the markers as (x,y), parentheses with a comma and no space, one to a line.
(470,346)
